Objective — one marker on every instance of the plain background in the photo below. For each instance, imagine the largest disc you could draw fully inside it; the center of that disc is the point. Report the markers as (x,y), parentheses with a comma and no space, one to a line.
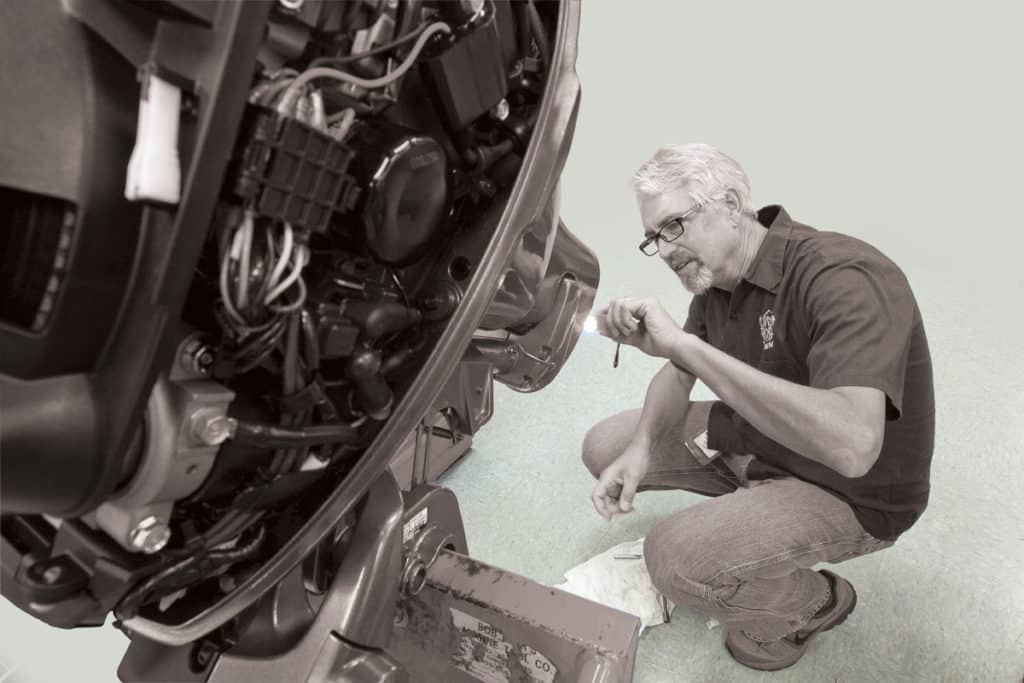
(898,123)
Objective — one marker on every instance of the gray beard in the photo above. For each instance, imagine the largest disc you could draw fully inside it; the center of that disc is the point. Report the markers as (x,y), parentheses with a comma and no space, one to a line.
(699,281)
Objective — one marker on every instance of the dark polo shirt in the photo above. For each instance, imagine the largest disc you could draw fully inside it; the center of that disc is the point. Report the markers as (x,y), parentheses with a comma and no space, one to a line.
(827,310)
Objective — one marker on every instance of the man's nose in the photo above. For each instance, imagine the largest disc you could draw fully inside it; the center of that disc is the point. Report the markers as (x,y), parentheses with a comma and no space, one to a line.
(665,250)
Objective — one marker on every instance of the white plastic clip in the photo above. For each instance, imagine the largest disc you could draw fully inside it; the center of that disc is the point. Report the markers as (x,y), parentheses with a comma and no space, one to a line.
(154,171)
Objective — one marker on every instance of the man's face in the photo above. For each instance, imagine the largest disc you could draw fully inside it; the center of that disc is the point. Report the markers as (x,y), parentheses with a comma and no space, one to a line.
(699,254)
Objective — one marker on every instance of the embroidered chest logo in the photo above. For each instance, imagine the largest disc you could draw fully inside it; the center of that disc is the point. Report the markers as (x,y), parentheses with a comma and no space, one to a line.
(767,322)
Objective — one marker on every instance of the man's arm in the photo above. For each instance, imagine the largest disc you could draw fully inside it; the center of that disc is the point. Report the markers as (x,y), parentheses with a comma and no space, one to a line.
(668,393)
(668,396)
(841,428)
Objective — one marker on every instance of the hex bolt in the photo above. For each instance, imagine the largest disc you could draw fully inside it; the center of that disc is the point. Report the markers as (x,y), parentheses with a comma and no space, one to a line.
(150,535)
(210,427)
(226,583)
(500,111)
(196,357)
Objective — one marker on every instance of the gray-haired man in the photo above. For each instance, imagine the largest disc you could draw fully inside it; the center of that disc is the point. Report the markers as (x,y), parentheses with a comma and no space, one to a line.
(819,449)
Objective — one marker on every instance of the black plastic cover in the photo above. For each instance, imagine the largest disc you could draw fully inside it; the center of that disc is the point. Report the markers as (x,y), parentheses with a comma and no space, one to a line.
(468,78)
(407,190)
(294,172)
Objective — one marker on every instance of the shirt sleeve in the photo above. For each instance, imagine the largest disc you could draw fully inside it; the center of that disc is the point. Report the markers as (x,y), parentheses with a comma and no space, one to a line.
(861,314)
(695,322)
(695,318)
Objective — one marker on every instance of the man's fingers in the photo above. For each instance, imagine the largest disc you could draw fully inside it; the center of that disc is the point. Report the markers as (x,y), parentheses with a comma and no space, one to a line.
(629,485)
(624,317)
(605,494)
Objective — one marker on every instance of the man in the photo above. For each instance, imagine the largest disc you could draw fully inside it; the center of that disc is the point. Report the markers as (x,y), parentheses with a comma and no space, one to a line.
(819,449)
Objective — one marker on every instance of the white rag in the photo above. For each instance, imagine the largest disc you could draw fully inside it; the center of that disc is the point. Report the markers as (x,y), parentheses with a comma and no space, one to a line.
(622,583)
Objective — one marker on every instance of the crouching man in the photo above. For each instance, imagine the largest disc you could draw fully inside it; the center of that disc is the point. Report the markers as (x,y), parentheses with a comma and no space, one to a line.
(819,449)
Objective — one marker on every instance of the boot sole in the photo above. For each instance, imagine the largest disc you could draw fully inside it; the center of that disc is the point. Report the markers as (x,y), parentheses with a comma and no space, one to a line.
(777,666)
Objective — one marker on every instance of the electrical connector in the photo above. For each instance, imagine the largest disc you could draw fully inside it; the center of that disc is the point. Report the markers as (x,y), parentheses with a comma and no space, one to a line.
(154,171)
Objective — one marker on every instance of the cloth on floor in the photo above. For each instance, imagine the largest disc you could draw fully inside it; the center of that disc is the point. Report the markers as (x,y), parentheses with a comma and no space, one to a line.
(618,578)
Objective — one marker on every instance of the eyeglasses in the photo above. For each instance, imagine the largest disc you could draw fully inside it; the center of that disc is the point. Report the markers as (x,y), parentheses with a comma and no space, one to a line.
(672,230)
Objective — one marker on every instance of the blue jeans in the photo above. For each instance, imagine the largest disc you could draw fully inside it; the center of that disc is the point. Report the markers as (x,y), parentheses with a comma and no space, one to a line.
(743,557)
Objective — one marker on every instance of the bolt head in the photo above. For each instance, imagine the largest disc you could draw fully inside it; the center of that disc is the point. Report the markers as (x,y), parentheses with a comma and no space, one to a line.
(501,110)
(210,427)
(52,574)
(150,535)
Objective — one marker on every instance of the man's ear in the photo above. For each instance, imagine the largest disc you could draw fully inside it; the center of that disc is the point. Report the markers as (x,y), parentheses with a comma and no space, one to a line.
(731,201)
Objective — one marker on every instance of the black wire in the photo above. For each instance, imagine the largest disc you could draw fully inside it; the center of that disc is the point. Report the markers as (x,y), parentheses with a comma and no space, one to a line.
(338,61)
(538,33)
(266,350)
(129,604)
(277,436)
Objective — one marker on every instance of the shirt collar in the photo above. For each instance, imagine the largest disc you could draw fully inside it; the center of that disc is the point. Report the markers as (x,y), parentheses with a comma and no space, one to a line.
(766,270)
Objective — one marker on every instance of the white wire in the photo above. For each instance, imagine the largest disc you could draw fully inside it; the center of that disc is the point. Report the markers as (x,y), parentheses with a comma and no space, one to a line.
(246,230)
(341,124)
(297,304)
(282,261)
(224,293)
(369,84)
(301,258)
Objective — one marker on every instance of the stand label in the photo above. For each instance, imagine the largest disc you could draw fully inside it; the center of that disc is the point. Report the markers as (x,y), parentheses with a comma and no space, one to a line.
(415,523)
(485,654)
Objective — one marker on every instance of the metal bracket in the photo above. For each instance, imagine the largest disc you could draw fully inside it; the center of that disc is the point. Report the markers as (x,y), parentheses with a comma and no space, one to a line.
(421,554)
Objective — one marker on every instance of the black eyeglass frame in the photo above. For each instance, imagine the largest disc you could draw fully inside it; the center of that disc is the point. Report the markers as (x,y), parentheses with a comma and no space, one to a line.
(678,221)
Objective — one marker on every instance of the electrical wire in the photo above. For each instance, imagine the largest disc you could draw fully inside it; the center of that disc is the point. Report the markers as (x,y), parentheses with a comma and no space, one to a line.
(246,231)
(282,262)
(296,305)
(538,33)
(291,94)
(218,554)
(384,47)
(225,294)
(301,258)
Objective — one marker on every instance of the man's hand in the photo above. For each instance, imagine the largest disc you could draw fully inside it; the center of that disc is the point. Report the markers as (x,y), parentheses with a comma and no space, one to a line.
(615,488)
(642,323)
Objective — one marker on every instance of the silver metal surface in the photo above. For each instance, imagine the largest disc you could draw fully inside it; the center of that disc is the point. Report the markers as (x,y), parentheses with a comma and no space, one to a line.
(421,554)
(150,535)
(185,417)
(500,111)
(210,427)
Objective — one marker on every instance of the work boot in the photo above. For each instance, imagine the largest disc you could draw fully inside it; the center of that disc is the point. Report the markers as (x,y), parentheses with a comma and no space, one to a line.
(784,652)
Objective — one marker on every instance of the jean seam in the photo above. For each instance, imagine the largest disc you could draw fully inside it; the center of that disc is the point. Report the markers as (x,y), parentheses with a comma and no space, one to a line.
(745,569)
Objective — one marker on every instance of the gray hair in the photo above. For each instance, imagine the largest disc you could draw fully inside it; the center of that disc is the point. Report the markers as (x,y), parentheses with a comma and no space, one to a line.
(707,171)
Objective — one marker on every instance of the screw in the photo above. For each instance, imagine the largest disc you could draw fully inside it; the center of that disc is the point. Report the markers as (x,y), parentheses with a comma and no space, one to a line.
(52,574)
(500,110)
(150,535)
(196,357)
(210,427)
